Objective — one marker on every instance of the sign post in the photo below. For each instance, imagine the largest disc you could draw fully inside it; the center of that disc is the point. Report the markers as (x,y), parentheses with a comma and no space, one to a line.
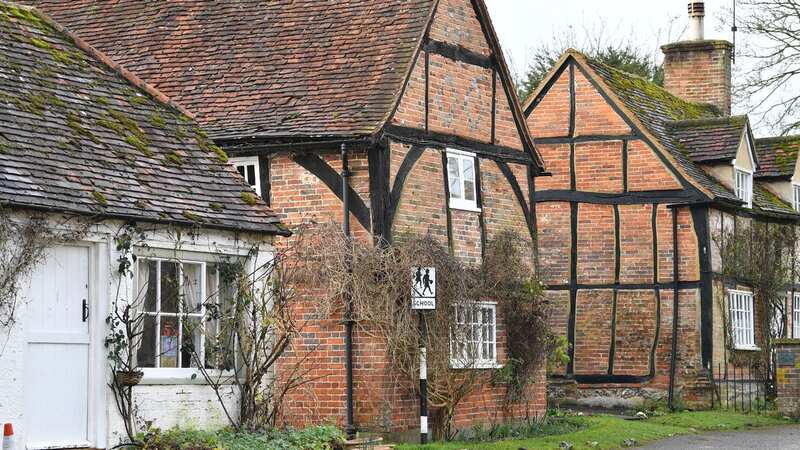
(423,298)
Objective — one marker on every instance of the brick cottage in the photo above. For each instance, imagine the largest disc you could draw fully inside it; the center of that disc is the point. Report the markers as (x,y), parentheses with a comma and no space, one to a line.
(418,94)
(643,179)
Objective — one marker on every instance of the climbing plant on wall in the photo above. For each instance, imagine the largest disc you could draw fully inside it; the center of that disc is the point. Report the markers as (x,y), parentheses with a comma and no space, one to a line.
(760,256)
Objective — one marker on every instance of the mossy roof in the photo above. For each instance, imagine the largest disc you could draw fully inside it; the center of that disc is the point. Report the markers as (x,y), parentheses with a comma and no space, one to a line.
(77,135)
(279,68)
(710,140)
(657,109)
(777,156)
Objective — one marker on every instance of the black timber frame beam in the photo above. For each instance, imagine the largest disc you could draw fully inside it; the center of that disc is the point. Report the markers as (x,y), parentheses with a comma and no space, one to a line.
(459,53)
(318,167)
(440,140)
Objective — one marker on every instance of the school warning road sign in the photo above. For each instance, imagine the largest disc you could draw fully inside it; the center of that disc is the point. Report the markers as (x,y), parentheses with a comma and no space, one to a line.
(423,293)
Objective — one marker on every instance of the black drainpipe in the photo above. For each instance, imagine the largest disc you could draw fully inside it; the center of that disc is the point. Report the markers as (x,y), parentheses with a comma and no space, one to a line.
(350,430)
(675,303)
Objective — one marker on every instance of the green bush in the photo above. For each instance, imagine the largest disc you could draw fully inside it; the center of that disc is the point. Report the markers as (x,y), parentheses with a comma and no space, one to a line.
(315,438)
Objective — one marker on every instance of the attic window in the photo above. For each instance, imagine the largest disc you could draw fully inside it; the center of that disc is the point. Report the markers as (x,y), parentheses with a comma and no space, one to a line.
(249,170)
(796,202)
(744,186)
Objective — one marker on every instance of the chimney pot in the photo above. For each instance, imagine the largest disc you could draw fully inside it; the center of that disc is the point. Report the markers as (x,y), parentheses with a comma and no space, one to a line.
(697,14)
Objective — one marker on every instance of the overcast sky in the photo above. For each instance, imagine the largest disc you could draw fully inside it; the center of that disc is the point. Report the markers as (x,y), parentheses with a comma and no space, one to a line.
(525,24)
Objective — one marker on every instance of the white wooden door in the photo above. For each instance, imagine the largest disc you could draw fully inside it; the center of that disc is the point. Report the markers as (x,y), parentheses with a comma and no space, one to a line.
(57,352)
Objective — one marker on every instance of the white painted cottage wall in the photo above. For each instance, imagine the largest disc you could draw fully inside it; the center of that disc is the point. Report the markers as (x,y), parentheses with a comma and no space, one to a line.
(163,403)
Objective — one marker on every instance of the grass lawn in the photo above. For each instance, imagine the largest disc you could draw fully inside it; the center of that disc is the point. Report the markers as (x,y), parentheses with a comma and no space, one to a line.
(611,432)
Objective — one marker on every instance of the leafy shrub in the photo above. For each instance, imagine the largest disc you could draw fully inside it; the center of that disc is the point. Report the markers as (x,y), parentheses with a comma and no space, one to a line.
(315,438)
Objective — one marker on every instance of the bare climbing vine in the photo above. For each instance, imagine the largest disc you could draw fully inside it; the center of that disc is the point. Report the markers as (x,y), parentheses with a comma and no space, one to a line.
(24,240)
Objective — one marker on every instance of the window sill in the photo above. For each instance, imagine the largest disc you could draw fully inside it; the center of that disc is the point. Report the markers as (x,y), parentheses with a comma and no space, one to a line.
(477,366)
(469,208)
(748,348)
(154,376)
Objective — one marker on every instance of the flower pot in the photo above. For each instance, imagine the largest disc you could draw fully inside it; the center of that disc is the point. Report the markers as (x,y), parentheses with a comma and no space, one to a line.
(128,377)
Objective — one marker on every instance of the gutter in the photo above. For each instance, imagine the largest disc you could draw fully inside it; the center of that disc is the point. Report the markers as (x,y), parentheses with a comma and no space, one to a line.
(350,429)
(129,218)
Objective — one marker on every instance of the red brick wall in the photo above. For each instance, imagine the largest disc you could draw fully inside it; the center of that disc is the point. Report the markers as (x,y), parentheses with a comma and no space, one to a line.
(592,331)
(599,165)
(646,172)
(550,118)
(460,98)
(599,169)
(593,115)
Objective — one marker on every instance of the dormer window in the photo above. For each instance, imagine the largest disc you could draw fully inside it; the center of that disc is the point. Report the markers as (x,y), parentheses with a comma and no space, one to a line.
(796,197)
(248,169)
(744,186)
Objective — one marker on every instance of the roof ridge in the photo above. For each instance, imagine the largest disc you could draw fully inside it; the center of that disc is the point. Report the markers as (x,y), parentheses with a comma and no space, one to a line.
(791,137)
(740,119)
(98,55)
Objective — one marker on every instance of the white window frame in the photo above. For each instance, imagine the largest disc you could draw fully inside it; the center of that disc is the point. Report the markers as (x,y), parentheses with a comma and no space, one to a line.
(178,375)
(461,202)
(244,162)
(796,315)
(796,196)
(742,319)
(743,185)
(465,362)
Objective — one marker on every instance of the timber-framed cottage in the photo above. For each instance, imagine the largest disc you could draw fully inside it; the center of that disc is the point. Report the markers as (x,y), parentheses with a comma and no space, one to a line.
(643,178)
(124,200)
(416,92)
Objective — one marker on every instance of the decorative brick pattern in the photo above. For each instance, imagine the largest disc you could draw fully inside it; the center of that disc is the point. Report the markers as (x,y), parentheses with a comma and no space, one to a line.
(460,98)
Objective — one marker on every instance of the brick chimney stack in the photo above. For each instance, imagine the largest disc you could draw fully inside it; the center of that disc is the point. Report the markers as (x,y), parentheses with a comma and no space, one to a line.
(697,69)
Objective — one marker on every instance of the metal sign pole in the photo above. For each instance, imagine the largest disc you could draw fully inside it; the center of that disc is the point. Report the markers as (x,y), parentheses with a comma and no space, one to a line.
(423,297)
(423,380)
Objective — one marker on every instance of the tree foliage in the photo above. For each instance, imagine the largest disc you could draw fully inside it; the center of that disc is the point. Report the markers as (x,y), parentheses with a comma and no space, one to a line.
(621,54)
(768,57)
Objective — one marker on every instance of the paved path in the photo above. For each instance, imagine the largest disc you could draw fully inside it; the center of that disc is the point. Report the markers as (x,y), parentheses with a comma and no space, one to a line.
(787,437)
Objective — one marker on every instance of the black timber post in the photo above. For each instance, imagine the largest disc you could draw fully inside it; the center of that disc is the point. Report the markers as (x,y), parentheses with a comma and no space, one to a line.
(701,229)
(350,429)
(675,303)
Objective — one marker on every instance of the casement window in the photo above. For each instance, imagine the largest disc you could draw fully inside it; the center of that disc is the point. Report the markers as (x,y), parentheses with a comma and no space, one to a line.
(182,303)
(248,168)
(473,336)
(461,180)
(740,307)
(796,197)
(744,186)
(796,315)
